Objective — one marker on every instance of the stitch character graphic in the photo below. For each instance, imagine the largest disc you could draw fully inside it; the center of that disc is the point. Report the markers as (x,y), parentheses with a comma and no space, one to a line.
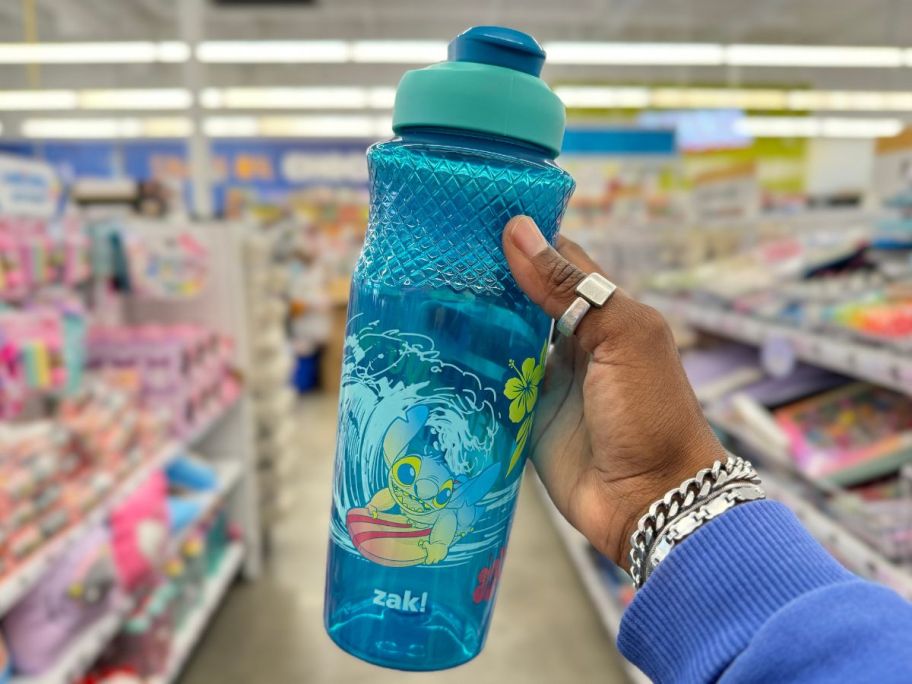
(424,507)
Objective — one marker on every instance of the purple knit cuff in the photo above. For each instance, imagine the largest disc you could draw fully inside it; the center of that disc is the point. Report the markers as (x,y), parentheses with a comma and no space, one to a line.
(702,605)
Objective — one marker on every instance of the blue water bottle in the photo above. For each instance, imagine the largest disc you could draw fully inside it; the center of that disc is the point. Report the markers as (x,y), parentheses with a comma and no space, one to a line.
(443,356)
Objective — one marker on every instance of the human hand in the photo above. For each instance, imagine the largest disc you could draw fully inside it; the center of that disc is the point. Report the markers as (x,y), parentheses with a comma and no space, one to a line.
(617,424)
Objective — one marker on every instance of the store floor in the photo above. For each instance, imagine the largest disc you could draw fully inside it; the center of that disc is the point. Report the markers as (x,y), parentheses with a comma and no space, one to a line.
(271,632)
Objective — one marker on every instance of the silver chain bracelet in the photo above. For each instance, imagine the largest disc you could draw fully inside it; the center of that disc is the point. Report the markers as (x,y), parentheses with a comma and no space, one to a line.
(694,501)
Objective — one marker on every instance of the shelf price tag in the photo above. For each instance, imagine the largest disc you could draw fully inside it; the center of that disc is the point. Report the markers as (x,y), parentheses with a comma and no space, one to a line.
(805,345)
(778,355)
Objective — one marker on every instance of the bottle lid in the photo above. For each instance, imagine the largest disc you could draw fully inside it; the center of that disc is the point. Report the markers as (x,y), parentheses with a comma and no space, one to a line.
(489,84)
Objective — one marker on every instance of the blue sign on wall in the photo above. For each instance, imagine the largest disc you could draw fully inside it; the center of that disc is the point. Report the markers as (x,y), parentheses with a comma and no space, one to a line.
(273,167)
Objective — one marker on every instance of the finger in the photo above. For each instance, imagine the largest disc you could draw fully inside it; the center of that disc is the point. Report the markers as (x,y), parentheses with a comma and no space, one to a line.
(550,277)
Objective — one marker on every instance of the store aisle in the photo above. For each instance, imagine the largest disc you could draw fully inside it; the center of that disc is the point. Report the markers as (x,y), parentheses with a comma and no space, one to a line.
(271,631)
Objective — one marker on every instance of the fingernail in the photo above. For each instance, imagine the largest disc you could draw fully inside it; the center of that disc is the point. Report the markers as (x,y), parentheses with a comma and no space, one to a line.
(526,236)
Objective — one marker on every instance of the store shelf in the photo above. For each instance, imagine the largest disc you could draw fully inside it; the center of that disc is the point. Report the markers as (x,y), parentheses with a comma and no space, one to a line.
(607,607)
(864,361)
(187,637)
(855,554)
(20,580)
(229,474)
(852,551)
(83,651)
(769,453)
(88,647)
(17,583)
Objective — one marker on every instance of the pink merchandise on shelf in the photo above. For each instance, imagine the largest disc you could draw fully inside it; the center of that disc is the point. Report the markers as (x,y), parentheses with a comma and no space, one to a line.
(50,332)
(13,388)
(850,429)
(54,472)
(74,592)
(12,271)
(139,533)
(34,253)
(165,360)
(39,352)
(182,368)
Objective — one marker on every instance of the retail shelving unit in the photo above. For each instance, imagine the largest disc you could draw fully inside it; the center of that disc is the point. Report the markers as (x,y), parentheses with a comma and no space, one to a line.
(785,485)
(869,362)
(606,605)
(228,474)
(18,583)
(190,632)
(225,439)
(84,650)
(220,306)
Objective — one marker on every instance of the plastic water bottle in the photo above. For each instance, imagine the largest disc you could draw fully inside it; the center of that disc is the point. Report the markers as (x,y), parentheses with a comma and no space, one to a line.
(443,356)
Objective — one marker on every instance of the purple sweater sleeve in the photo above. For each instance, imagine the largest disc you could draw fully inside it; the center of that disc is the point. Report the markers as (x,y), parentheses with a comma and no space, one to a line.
(752,597)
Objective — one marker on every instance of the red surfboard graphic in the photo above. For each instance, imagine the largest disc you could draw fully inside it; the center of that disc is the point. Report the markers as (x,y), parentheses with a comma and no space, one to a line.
(387,539)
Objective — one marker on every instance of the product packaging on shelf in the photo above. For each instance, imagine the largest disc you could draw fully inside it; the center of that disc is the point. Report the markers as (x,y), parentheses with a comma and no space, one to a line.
(54,472)
(146,639)
(850,435)
(77,590)
(38,252)
(150,259)
(41,351)
(183,369)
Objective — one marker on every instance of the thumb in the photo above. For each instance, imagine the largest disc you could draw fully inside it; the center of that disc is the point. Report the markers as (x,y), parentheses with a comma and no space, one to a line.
(549,277)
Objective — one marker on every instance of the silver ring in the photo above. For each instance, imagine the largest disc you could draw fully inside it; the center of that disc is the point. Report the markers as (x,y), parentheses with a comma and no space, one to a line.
(593,290)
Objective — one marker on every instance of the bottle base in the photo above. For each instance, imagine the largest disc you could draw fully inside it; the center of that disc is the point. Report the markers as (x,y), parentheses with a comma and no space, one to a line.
(420,647)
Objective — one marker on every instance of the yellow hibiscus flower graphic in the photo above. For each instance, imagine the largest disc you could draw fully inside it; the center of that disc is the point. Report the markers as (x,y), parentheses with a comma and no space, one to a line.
(523,393)
(523,389)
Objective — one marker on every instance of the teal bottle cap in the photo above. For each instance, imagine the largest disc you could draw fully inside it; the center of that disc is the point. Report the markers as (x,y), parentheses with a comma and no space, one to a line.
(489,84)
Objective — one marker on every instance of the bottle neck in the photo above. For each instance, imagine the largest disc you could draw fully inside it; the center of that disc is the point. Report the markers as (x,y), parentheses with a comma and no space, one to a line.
(478,141)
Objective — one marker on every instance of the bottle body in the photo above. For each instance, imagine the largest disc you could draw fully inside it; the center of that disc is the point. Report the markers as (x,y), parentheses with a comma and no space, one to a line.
(442,364)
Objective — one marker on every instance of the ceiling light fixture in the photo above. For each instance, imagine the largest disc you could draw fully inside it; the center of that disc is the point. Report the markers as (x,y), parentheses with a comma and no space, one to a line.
(813,56)
(812,127)
(717,98)
(381,98)
(340,97)
(398,51)
(136,52)
(328,97)
(586,97)
(273,51)
(615,97)
(37,100)
(635,53)
(231,126)
(346,126)
(424,52)
(106,128)
(135,98)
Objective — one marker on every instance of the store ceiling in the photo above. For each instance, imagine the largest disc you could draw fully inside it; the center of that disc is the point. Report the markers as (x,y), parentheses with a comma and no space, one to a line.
(817,22)
(876,22)
(796,22)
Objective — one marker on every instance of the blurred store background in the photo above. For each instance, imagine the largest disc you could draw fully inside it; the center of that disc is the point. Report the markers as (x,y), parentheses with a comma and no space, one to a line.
(183,196)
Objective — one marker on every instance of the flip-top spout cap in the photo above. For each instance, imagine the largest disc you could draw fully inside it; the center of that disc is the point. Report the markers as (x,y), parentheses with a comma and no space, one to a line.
(498,46)
(490,84)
